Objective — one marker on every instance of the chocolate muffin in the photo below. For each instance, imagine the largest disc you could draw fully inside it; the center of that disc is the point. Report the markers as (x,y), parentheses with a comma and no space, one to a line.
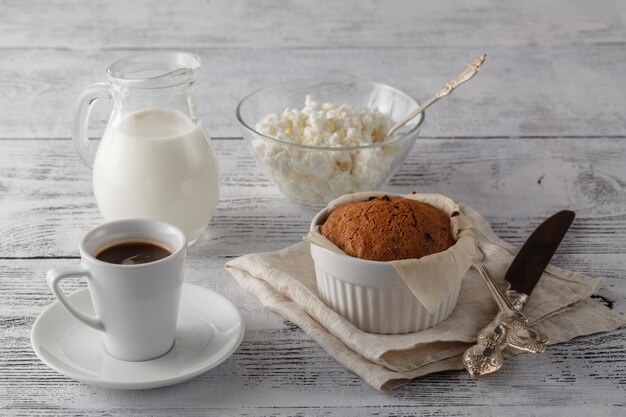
(388,228)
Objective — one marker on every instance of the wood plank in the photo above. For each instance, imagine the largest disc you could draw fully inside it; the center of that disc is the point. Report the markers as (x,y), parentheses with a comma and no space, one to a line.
(425,409)
(522,91)
(46,202)
(278,369)
(301,24)
(503,144)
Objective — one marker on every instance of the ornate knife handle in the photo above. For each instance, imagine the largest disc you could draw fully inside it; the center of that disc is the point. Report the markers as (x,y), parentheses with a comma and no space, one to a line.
(510,327)
(521,336)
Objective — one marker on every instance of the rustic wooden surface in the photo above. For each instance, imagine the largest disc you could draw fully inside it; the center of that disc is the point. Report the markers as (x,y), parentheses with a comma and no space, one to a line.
(542,128)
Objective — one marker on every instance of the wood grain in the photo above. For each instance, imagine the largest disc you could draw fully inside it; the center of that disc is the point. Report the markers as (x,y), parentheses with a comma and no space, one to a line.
(541,128)
(278,369)
(302,24)
(521,91)
(47,203)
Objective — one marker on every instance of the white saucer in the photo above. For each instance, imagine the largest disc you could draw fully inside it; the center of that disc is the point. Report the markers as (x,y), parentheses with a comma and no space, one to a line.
(209,330)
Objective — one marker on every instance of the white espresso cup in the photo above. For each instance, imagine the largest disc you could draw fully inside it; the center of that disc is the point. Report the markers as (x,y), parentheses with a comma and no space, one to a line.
(136,306)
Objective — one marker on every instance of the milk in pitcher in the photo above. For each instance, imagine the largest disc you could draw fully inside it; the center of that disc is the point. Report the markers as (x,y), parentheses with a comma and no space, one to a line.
(157,163)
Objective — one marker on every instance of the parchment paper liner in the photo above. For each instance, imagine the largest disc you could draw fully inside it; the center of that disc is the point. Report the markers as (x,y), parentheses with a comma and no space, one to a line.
(431,278)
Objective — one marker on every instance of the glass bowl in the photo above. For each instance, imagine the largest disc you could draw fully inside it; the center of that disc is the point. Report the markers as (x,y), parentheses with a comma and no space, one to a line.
(314,175)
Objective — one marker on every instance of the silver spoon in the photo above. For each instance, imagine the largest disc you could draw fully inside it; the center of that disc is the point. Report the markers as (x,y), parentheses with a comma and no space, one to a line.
(467,74)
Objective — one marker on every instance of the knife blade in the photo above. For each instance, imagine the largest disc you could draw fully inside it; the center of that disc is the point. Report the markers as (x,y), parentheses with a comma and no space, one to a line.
(523,274)
(533,258)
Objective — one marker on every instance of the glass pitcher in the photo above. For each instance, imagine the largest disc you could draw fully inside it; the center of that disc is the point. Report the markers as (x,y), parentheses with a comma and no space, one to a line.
(155,160)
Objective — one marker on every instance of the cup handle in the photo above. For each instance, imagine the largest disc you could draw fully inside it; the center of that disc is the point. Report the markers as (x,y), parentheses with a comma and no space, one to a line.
(80,134)
(55,276)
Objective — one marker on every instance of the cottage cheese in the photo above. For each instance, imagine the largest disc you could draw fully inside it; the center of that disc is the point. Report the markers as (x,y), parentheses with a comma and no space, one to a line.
(319,176)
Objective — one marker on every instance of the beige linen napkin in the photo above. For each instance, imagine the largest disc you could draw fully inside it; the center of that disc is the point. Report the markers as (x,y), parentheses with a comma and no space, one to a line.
(285,282)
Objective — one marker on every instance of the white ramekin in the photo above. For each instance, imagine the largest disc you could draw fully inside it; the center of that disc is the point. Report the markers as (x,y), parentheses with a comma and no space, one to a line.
(371,294)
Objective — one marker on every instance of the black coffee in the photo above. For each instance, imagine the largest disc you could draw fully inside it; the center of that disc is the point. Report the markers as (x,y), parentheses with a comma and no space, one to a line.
(133,253)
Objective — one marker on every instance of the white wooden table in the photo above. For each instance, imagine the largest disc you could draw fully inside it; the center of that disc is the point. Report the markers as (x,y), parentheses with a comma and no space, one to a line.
(542,128)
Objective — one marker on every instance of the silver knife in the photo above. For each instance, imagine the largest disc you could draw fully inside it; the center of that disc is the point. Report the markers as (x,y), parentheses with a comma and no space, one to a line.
(510,327)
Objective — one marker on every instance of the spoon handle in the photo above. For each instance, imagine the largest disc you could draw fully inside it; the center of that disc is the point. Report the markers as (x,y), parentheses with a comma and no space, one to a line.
(467,74)
(509,328)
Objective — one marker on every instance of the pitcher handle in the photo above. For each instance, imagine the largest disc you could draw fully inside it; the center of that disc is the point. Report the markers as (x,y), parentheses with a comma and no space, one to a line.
(80,135)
